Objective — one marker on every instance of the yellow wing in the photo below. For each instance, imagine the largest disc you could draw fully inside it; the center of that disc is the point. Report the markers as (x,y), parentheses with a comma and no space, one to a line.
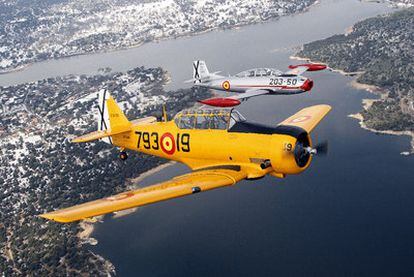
(179,186)
(307,118)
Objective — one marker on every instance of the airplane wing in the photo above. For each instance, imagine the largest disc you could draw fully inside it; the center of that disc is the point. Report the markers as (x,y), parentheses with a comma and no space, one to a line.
(191,183)
(307,118)
(301,68)
(233,100)
(249,93)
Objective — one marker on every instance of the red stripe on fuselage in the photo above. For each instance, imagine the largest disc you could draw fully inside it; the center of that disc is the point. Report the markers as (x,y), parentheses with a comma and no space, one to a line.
(265,86)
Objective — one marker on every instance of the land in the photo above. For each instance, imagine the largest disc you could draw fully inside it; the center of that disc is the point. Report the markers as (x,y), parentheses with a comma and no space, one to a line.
(42,171)
(380,52)
(402,3)
(32,31)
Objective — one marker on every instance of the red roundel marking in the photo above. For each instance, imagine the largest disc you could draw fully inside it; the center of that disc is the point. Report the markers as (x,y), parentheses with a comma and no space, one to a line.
(120,196)
(226,85)
(302,118)
(167,143)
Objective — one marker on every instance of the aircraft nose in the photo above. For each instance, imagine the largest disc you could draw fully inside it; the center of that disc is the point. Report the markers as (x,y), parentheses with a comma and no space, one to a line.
(307,85)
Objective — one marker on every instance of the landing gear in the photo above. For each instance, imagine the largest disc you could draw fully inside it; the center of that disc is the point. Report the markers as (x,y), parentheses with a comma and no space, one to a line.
(123,155)
(265,164)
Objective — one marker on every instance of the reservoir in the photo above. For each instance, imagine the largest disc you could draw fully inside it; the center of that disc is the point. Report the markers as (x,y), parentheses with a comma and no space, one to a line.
(350,213)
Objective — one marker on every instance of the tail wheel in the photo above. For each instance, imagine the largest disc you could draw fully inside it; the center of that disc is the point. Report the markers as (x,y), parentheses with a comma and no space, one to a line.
(123,155)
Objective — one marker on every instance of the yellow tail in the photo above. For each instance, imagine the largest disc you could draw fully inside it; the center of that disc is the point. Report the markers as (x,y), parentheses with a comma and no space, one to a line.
(111,120)
(117,119)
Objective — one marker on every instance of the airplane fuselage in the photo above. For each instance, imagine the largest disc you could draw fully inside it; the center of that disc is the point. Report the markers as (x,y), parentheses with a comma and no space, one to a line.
(207,147)
(220,146)
(284,84)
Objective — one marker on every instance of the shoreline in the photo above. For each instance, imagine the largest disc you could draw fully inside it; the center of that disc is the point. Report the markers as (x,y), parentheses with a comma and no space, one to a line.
(352,74)
(134,185)
(366,103)
(148,173)
(184,35)
(15,69)
(359,117)
(84,236)
(88,226)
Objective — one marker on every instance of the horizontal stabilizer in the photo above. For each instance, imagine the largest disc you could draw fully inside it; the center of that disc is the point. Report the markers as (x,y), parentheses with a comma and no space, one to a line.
(100,134)
(301,68)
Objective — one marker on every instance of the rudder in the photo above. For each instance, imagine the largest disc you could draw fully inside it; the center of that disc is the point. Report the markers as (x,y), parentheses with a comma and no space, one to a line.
(200,71)
(110,117)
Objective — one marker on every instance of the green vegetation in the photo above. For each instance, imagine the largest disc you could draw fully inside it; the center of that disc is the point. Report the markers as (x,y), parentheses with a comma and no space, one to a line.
(41,170)
(382,48)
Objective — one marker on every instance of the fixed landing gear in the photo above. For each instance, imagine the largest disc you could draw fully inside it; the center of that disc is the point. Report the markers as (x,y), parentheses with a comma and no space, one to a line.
(123,155)
(265,164)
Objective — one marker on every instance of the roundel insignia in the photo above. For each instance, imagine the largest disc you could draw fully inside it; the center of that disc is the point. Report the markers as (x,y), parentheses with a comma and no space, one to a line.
(302,118)
(226,85)
(120,196)
(167,143)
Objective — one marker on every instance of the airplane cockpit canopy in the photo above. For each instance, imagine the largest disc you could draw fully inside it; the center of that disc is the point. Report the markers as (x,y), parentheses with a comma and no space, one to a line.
(258,72)
(215,119)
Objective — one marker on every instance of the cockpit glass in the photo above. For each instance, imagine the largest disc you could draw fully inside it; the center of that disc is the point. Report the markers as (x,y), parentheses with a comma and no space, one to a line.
(187,122)
(218,122)
(217,119)
(237,116)
(257,72)
(202,122)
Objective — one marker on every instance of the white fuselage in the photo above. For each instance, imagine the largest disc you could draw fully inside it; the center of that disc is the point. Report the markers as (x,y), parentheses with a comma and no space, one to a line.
(283,84)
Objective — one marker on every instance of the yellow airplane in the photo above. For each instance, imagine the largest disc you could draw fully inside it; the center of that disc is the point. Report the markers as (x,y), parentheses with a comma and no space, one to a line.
(220,146)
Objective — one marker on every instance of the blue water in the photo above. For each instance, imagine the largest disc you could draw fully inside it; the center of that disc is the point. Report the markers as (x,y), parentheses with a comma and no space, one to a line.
(350,214)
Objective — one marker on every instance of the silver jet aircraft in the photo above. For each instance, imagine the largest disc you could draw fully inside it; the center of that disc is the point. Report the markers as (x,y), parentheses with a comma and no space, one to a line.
(253,82)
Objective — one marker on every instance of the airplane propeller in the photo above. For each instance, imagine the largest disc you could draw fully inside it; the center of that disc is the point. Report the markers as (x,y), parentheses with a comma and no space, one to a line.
(320,149)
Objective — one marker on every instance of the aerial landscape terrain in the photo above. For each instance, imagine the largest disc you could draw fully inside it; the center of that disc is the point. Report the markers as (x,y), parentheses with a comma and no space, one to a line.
(38,119)
(380,51)
(33,31)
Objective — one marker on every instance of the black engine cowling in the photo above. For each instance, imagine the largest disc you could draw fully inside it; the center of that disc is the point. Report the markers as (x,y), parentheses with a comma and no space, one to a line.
(300,151)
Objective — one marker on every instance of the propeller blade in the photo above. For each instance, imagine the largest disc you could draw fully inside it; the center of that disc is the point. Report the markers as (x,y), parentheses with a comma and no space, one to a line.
(322,148)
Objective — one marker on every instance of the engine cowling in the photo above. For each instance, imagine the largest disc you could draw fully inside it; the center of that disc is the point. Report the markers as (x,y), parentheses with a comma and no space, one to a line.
(300,152)
(290,154)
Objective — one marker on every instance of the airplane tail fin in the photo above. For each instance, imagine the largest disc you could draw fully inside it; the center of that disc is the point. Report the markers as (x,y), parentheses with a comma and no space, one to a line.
(200,71)
(111,120)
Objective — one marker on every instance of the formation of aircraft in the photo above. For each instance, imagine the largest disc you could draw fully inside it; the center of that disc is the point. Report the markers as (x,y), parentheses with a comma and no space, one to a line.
(253,82)
(219,145)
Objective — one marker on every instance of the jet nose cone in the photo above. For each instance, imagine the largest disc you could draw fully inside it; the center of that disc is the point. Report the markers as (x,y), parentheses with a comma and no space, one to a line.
(307,85)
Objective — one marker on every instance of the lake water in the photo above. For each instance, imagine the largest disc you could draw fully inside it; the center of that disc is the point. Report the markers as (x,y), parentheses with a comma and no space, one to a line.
(350,213)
